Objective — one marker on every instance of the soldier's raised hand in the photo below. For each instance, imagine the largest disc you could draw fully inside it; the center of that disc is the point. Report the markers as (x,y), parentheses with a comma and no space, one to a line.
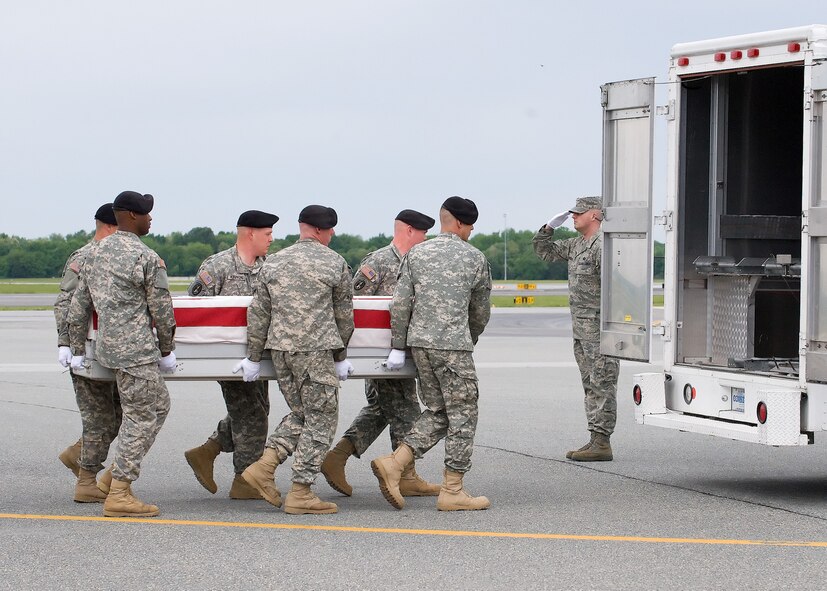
(558,220)
(251,369)
(396,359)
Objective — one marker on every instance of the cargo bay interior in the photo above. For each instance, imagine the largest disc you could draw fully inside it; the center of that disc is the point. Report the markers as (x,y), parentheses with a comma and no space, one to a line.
(739,240)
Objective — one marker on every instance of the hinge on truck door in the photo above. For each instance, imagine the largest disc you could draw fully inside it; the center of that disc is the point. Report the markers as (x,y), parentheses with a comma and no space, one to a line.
(664,329)
(665,220)
(667,110)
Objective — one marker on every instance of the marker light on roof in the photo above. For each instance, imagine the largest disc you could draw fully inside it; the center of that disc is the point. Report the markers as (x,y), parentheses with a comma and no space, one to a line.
(753,52)
(736,54)
(793,47)
(720,56)
(683,61)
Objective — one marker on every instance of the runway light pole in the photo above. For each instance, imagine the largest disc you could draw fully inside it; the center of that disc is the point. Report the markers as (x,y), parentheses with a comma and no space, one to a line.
(505,247)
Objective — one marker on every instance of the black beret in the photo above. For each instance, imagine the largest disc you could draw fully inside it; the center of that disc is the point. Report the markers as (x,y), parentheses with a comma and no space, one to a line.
(463,209)
(319,216)
(106,214)
(257,219)
(417,220)
(134,202)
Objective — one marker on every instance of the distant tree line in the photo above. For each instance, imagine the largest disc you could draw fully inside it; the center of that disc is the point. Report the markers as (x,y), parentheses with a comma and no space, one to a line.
(183,252)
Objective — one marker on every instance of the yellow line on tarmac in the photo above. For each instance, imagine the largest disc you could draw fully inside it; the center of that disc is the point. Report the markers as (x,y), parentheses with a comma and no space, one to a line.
(422,532)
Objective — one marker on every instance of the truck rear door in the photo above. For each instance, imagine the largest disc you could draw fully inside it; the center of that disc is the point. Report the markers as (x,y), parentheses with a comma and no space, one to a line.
(626,298)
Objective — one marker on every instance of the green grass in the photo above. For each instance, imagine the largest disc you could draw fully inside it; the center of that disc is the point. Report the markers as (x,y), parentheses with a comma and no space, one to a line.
(546,301)
(23,286)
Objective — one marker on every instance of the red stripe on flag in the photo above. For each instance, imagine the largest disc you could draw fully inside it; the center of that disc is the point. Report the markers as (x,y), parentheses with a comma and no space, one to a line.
(211,316)
(372,318)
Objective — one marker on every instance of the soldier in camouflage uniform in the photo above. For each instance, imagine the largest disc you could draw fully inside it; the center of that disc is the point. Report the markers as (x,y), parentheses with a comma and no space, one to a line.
(390,402)
(597,372)
(303,313)
(441,305)
(98,401)
(125,283)
(234,272)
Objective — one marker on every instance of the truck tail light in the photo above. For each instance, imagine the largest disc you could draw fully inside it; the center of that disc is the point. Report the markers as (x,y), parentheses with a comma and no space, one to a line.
(689,393)
(761,411)
(637,395)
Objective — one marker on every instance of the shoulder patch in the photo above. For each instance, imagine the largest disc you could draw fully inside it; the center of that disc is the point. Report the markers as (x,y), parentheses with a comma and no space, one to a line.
(74,266)
(205,278)
(368,272)
(161,263)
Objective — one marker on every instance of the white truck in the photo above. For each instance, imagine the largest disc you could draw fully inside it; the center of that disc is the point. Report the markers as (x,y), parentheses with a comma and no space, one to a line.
(745,284)
(211,338)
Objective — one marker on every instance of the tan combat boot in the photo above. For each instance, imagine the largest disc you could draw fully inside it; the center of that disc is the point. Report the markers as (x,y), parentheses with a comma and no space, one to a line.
(412,484)
(120,503)
(599,451)
(388,469)
(301,500)
(105,481)
(333,466)
(454,497)
(202,459)
(584,448)
(242,491)
(86,489)
(71,457)
(261,476)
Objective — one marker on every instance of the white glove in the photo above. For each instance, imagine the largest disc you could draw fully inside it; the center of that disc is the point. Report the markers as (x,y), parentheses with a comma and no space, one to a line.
(396,359)
(77,361)
(252,369)
(167,364)
(558,220)
(64,356)
(343,369)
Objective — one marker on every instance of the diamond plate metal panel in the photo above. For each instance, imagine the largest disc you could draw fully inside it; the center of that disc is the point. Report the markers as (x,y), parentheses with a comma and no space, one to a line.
(732,318)
(783,426)
(653,391)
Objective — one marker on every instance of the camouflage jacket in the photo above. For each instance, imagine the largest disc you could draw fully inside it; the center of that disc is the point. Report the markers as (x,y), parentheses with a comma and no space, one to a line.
(583,256)
(378,272)
(443,297)
(125,282)
(304,302)
(224,273)
(68,284)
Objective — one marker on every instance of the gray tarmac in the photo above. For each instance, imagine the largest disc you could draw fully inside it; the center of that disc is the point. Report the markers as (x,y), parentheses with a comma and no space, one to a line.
(673,511)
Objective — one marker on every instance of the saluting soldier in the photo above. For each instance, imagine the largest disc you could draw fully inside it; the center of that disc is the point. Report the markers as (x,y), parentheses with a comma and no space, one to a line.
(234,272)
(597,372)
(98,401)
(441,305)
(390,402)
(303,313)
(125,282)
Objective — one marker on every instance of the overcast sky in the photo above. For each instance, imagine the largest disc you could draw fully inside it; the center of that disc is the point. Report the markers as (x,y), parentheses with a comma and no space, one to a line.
(367,106)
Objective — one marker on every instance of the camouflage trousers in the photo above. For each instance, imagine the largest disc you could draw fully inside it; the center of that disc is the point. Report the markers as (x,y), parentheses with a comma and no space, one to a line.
(244,430)
(449,391)
(308,382)
(145,403)
(100,416)
(599,376)
(390,402)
